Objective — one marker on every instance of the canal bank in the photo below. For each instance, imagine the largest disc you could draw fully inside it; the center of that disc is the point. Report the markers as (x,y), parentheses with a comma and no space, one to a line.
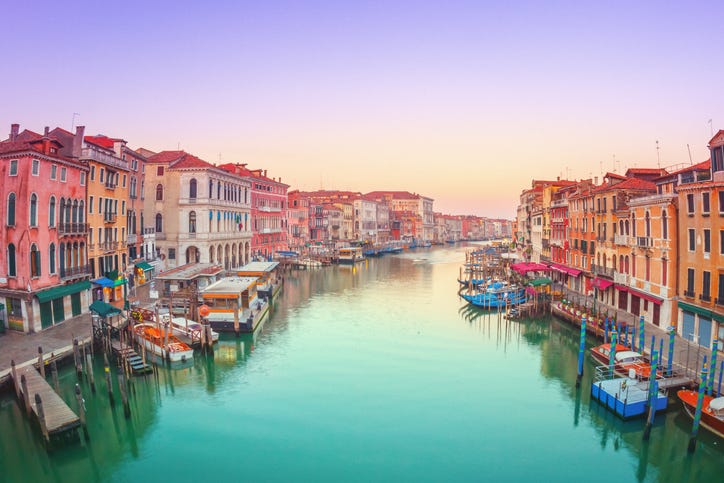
(371,373)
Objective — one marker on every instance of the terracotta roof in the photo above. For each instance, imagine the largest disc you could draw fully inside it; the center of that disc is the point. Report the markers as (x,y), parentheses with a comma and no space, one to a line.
(614,176)
(655,171)
(636,184)
(190,161)
(717,139)
(165,157)
(703,166)
(102,141)
(396,195)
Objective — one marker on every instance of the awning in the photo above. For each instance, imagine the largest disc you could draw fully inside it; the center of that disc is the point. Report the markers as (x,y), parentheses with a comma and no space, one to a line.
(103,282)
(540,281)
(118,282)
(621,288)
(144,266)
(62,291)
(103,309)
(701,311)
(574,272)
(602,283)
(526,267)
(646,296)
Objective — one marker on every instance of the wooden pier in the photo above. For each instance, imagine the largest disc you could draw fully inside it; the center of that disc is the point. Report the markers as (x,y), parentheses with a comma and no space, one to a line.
(129,356)
(57,416)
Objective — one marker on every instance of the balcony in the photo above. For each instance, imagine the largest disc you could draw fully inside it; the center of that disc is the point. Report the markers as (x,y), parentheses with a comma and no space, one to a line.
(644,242)
(269,209)
(689,293)
(620,278)
(110,217)
(132,239)
(149,231)
(599,270)
(75,272)
(705,297)
(719,301)
(72,228)
(111,186)
(101,157)
(109,246)
(621,240)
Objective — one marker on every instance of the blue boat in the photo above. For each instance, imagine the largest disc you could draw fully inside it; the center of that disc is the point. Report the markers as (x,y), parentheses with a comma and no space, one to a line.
(496,296)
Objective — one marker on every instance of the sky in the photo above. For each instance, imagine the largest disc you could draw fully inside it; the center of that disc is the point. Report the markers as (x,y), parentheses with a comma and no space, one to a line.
(464,102)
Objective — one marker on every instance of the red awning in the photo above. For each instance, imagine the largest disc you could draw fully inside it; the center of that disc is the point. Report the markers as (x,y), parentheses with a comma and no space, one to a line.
(526,267)
(646,296)
(573,271)
(602,283)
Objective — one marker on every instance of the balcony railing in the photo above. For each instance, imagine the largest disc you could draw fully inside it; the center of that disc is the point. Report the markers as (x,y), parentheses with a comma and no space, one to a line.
(689,293)
(108,246)
(110,217)
(644,242)
(89,153)
(621,240)
(72,228)
(132,239)
(705,297)
(73,272)
(599,270)
(719,301)
(620,278)
(149,231)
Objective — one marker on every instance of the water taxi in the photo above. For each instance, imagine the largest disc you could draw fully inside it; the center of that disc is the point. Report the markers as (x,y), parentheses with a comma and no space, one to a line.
(712,412)
(625,360)
(162,344)
(350,255)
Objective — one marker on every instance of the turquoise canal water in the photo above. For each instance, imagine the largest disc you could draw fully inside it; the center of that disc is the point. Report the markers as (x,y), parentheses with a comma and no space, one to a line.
(377,373)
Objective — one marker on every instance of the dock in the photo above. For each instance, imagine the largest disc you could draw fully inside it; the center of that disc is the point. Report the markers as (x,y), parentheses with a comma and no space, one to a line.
(127,355)
(58,417)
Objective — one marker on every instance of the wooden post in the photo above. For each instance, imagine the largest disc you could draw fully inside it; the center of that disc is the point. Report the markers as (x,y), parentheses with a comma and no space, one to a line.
(41,364)
(107,371)
(77,360)
(653,394)
(124,395)
(699,406)
(26,397)
(89,371)
(236,318)
(81,410)
(16,382)
(41,416)
(54,372)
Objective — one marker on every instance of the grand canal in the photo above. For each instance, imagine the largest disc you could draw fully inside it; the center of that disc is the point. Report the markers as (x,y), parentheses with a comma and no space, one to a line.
(377,373)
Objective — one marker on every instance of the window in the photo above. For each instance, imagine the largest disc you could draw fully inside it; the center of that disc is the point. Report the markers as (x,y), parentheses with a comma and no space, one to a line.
(721,202)
(690,282)
(93,173)
(36,167)
(62,174)
(664,272)
(707,241)
(172,254)
(192,222)
(82,178)
(692,240)
(103,172)
(705,203)
(123,207)
(12,270)
(51,258)
(721,242)
(11,209)
(34,261)
(33,210)
(192,189)
(706,286)
(159,171)
(51,212)
(159,223)
(159,192)
(13,167)
(54,171)
(124,180)
(690,204)
(720,295)
(664,226)
(90,204)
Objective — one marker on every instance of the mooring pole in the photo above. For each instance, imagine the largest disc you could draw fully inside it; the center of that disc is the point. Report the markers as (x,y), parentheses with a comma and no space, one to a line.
(581,351)
(605,331)
(16,382)
(81,410)
(653,393)
(107,370)
(89,371)
(699,406)
(670,362)
(712,372)
(612,353)
(41,365)
(41,416)
(54,373)
(642,340)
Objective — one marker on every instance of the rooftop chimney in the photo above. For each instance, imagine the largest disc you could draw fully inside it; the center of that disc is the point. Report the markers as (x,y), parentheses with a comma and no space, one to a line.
(78,141)
(14,128)
(47,131)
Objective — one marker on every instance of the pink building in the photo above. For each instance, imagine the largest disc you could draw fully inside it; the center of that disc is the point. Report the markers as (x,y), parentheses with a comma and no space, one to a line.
(44,271)
(298,219)
(268,210)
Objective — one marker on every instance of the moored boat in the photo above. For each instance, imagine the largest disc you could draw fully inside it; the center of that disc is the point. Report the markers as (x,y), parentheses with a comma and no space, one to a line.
(166,346)
(350,255)
(712,412)
(189,331)
(625,360)
(497,295)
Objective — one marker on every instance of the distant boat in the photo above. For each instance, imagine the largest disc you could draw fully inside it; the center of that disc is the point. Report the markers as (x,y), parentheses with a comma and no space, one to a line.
(497,295)
(350,255)
(154,340)
(712,412)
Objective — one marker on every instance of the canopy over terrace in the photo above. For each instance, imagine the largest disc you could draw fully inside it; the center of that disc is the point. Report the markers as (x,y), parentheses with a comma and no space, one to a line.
(525,267)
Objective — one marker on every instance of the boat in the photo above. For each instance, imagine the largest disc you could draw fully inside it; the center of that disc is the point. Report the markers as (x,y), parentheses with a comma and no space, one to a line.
(625,361)
(154,340)
(712,411)
(497,295)
(189,331)
(350,255)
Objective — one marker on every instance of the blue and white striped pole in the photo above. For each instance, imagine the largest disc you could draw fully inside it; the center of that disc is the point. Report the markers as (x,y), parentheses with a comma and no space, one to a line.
(653,393)
(699,406)
(712,373)
(605,331)
(581,351)
(642,341)
(672,337)
(612,352)
(721,371)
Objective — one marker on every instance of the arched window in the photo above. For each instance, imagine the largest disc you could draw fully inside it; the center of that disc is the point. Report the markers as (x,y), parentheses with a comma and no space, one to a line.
(211,189)
(74,211)
(51,258)
(12,271)
(633,225)
(34,261)
(647,224)
(664,226)
(159,223)
(33,210)
(192,222)
(192,188)
(51,212)
(159,192)
(81,212)
(11,209)
(61,211)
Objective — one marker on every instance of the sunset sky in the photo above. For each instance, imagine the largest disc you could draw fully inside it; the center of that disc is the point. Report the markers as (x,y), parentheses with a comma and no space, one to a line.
(464,102)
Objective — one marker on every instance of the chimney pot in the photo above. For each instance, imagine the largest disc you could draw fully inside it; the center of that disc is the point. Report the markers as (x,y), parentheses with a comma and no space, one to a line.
(47,131)
(14,129)
(78,141)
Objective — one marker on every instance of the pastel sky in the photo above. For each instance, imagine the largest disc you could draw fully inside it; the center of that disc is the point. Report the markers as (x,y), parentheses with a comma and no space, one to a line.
(464,102)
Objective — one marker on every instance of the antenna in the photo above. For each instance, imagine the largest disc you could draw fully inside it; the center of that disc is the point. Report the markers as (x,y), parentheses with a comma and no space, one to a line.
(691,161)
(711,128)
(72,122)
(658,157)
